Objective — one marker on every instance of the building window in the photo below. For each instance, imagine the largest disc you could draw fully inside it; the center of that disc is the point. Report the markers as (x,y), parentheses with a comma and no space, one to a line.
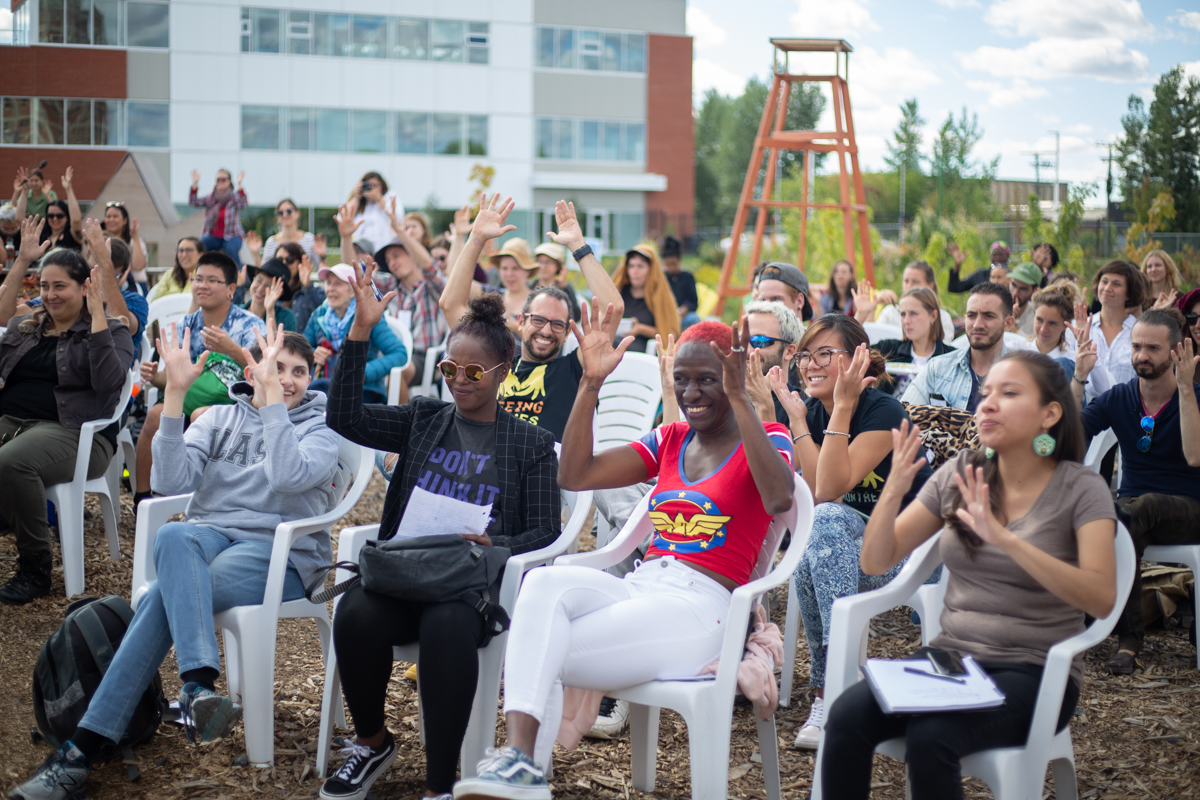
(589,49)
(363,131)
(590,140)
(79,122)
(358,35)
(103,23)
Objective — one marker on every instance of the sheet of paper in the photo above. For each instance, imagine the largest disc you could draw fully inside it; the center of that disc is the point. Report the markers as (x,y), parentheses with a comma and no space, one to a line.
(624,327)
(429,514)
(901,692)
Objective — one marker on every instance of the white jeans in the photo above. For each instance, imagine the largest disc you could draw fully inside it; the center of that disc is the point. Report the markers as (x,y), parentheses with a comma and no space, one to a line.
(588,629)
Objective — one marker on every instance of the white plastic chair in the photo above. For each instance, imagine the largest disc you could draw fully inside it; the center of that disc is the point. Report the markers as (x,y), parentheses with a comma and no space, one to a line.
(125,447)
(877,331)
(707,705)
(249,631)
(628,401)
(481,730)
(427,387)
(1186,554)
(405,335)
(68,497)
(165,310)
(1012,773)
(926,600)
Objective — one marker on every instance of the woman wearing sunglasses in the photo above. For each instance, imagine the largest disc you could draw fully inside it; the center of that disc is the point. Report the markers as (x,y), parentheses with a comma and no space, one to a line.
(118,224)
(843,438)
(1189,304)
(222,207)
(64,221)
(287,217)
(469,448)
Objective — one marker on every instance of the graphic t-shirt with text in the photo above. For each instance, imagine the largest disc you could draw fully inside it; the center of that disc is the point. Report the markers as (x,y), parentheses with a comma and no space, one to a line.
(542,394)
(463,466)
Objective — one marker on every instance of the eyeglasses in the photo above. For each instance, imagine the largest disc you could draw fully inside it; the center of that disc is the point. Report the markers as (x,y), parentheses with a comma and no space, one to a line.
(288,259)
(115,204)
(821,358)
(1192,319)
(539,322)
(186,250)
(759,342)
(1148,427)
(210,281)
(285,212)
(56,216)
(222,180)
(474,372)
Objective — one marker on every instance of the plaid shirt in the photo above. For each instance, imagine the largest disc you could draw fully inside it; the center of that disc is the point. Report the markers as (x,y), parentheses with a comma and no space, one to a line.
(429,326)
(213,208)
(528,506)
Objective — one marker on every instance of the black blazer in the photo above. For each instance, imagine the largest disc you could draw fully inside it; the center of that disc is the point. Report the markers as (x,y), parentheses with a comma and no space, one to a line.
(528,506)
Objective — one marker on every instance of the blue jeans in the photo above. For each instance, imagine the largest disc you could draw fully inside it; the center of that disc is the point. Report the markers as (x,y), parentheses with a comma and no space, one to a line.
(232,247)
(200,573)
(689,319)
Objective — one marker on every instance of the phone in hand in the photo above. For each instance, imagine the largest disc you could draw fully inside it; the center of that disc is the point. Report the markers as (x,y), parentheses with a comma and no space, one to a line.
(946,663)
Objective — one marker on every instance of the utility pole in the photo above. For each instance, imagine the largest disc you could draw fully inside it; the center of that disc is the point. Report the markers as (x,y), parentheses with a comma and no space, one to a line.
(1056,160)
(1108,187)
(901,236)
(1038,163)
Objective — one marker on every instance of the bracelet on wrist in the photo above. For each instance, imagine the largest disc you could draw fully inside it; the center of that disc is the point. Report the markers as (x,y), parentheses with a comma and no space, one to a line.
(1081,382)
(828,432)
(581,252)
(800,436)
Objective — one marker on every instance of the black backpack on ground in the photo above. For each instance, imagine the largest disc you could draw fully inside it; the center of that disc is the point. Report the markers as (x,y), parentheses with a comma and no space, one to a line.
(68,672)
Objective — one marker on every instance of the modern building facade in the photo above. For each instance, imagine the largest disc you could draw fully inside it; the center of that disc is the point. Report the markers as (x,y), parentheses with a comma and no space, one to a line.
(589,101)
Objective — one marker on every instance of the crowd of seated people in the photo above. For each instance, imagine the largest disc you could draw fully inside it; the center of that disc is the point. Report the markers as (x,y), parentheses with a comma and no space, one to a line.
(748,410)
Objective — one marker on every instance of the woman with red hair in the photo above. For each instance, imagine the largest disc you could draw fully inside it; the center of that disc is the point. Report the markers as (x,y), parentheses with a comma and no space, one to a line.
(722,474)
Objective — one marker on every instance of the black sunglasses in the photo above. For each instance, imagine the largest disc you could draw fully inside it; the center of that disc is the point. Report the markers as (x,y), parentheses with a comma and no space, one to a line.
(285,212)
(56,216)
(759,342)
(1191,318)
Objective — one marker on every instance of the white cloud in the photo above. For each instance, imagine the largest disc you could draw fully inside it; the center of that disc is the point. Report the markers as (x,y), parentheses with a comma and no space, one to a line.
(895,68)
(1070,19)
(958,3)
(703,30)
(1186,19)
(708,74)
(1106,59)
(1001,95)
(831,18)
(1080,128)
(1191,69)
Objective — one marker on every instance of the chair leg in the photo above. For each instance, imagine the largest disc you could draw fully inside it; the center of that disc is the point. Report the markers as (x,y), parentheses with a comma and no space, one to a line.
(643,740)
(1065,787)
(481,730)
(791,627)
(69,507)
(109,510)
(768,748)
(325,633)
(331,698)
(709,733)
(258,702)
(233,668)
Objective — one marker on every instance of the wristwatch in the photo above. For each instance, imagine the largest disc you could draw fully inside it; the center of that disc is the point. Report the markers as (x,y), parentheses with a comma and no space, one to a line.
(583,251)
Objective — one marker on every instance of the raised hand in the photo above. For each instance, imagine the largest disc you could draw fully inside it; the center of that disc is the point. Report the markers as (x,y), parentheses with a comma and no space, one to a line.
(305,271)
(241,278)
(47,186)
(91,293)
(596,352)
(977,510)
(1085,354)
(175,358)
(907,457)
(853,378)
(254,243)
(733,365)
(241,177)
(666,361)
(369,307)
(865,299)
(20,180)
(346,227)
(570,235)
(792,403)
(274,293)
(31,231)
(390,208)
(1185,359)
(148,370)
(758,386)
(195,179)
(265,370)
(493,214)
(67,178)
(1166,300)
(93,235)
(320,246)
(956,253)
(462,222)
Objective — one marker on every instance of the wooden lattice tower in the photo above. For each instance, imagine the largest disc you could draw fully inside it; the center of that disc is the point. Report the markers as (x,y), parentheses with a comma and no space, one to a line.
(773,138)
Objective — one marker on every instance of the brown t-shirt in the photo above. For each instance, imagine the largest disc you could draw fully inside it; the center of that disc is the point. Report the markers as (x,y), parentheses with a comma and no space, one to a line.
(994,609)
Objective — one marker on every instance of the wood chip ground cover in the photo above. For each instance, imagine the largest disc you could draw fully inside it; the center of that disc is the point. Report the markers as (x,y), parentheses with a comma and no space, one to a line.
(1135,736)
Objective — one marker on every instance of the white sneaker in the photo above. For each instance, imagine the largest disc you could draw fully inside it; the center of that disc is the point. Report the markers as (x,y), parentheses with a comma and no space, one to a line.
(613,718)
(809,737)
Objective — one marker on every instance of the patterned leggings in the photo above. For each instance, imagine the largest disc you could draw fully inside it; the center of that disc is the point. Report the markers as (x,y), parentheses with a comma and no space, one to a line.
(828,570)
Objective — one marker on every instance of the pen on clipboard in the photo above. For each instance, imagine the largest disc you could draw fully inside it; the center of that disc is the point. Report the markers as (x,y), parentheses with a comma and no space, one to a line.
(363,266)
(933,675)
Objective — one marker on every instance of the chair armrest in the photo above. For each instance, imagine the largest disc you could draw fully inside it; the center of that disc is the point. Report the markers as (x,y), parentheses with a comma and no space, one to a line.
(851,615)
(152,514)
(518,565)
(632,534)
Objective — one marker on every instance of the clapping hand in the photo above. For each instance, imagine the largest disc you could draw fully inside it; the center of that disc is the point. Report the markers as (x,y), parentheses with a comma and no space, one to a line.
(218,340)
(758,386)
(596,352)
(175,357)
(977,510)
(733,364)
(792,403)
(91,293)
(490,221)
(853,378)
(570,235)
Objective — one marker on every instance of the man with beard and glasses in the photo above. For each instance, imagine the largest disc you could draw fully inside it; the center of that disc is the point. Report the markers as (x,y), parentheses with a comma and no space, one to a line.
(542,386)
(954,379)
(774,334)
(1156,419)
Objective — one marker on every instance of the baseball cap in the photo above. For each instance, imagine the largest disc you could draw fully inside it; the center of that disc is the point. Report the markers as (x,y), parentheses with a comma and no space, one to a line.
(1026,272)
(344,271)
(787,273)
(555,251)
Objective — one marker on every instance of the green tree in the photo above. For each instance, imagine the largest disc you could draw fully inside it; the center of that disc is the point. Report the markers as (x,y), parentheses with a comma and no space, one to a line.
(907,140)
(1161,146)
(962,184)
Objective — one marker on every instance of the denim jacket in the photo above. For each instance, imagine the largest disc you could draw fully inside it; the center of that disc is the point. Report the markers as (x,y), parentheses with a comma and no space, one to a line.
(948,375)
(92,366)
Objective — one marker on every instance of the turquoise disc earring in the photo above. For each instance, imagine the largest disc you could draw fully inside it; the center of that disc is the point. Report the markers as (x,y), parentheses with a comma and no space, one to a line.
(1043,444)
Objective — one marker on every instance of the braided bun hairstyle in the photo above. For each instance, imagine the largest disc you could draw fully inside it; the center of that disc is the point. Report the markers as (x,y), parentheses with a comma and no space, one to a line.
(485,321)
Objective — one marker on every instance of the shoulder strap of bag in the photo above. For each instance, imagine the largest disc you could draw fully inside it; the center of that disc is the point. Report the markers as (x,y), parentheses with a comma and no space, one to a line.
(328,594)
(92,630)
(492,612)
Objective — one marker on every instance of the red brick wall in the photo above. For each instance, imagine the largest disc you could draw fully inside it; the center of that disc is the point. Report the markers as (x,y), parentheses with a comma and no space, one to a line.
(670,135)
(93,167)
(63,72)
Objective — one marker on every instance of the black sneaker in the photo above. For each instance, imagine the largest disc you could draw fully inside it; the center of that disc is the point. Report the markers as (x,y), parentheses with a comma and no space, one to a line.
(60,776)
(363,766)
(31,581)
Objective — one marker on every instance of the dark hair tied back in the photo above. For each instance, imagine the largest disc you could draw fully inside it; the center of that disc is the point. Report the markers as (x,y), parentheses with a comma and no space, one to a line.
(485,321)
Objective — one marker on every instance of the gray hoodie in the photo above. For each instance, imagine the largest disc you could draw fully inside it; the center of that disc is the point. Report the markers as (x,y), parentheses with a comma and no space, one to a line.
(251,469)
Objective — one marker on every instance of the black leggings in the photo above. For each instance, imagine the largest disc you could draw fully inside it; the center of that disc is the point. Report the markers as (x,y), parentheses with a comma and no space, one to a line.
(934,743)
(365,629)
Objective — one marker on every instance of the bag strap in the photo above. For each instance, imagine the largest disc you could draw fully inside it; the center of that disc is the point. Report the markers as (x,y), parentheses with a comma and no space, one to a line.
(92,629)
(319,580)
(493,613)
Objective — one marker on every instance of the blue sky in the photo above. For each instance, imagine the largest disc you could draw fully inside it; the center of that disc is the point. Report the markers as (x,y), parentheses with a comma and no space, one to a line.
(1027,67)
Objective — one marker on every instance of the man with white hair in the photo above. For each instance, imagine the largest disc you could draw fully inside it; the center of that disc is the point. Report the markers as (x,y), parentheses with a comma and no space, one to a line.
(774,335)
